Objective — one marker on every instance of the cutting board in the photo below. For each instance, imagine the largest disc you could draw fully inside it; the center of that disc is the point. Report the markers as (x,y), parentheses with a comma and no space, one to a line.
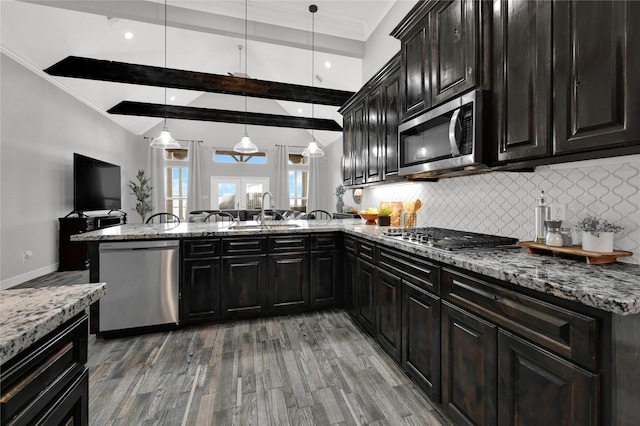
(396,211)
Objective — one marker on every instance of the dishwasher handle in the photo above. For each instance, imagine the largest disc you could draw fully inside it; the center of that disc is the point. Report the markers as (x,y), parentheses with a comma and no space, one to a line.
(139,245)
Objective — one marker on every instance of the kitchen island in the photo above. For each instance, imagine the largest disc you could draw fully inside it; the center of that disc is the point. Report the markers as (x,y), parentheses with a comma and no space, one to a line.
(43,353)
(487,334)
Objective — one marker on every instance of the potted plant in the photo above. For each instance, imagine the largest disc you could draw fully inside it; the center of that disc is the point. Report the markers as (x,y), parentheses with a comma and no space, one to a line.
(339,193)
(597,234)
(142,191)
(385,216)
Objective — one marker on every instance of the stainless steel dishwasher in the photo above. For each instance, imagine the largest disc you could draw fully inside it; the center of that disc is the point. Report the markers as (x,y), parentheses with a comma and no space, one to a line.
(142,284)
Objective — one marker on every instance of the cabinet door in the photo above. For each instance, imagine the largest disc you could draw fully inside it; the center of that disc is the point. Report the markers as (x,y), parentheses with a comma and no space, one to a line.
(325,270)
(596,78)
(388,312)
(539,388)
(469,377)
(392,106)
(288,282)
(359,140)
(421,338)
(200,292)
(522,83)
(350,268)
(244,282)
(365,285)
(374,125)
(454,38)
(347,149)
(415,77)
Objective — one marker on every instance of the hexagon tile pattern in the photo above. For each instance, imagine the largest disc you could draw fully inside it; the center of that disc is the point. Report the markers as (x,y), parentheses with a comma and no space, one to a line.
(502,203)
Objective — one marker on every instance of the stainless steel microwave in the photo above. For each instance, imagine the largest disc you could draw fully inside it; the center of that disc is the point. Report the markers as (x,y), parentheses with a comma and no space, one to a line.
(448,137)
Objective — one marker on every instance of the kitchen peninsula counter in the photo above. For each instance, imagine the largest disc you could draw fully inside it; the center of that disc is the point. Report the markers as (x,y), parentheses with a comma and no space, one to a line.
(611,287)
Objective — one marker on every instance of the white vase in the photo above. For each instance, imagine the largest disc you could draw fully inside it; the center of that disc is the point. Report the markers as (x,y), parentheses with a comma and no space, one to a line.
(601,244)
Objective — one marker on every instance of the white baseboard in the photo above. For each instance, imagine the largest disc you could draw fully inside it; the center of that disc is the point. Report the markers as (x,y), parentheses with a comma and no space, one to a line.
(19,279)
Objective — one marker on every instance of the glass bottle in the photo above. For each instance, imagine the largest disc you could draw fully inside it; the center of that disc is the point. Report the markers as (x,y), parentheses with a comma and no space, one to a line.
(541,214)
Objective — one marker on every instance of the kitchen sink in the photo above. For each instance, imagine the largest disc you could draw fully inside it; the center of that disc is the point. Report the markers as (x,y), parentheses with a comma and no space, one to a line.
(260,227)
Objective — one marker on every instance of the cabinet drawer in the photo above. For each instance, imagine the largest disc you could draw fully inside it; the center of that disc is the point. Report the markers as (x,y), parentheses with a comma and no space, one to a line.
(420,272)
(565,332)
(288,243)
(366,250)
(244,245)
(350,245)
(31,382)
(324,241)
(201,248)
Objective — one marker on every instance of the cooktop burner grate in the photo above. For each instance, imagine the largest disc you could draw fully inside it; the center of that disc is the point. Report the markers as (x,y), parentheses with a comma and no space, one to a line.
(450,239)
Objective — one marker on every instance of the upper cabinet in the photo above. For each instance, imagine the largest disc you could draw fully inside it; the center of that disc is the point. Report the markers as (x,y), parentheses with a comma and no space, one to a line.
(596,74)
(370,136)
(444,45)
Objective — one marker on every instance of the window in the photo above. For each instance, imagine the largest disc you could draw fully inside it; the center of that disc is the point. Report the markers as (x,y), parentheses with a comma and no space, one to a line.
(221,156)
(228,193)
(298,173)
(177,173)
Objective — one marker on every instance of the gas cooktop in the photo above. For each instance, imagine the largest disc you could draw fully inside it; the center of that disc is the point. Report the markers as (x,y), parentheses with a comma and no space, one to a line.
(450,239)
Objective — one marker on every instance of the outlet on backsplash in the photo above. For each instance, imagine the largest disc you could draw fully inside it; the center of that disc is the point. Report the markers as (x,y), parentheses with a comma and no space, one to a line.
(558,211)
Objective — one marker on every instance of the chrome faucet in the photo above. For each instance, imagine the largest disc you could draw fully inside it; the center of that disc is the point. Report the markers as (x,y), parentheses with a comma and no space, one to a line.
(263,217)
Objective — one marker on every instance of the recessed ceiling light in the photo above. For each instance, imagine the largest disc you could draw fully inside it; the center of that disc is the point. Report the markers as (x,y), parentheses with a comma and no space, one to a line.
(172,98)
(300,110)
(128,35)
(327,64)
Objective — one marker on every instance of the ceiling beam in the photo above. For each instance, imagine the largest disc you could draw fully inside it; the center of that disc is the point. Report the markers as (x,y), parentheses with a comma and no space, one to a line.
(122,72)
(222,116)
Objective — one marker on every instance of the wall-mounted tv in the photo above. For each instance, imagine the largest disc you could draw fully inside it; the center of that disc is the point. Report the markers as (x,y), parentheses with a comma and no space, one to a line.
(96,184)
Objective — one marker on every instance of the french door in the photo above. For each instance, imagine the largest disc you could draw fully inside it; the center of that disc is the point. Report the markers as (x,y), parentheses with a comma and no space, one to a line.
(238,193)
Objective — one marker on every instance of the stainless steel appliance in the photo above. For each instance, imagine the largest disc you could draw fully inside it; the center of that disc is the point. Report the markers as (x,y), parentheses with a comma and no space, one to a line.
(450,239)
(142,284)
(446,138)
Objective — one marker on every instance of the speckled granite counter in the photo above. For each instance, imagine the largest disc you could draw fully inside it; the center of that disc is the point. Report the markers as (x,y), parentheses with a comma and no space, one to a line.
(611,287)
(28,314)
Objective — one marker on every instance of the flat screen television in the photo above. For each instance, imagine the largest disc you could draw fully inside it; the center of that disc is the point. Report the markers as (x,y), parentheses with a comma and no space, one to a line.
(96,184)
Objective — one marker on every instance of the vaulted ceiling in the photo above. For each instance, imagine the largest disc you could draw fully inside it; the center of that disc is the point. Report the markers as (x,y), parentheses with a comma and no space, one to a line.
(203,36)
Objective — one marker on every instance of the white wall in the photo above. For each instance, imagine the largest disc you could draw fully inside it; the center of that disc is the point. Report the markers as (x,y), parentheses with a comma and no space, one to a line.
(42,127)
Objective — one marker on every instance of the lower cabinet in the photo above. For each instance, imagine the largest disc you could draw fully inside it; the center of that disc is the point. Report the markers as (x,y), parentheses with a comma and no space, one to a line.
(365,308)
(469,367)
(244,285)
(388,312)
(349,280)
(288,282)
(421,338)
(200,290)
(326,289)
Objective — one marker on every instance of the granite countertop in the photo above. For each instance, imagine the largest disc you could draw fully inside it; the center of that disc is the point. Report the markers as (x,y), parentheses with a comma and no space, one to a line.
(28,314)
(611,287)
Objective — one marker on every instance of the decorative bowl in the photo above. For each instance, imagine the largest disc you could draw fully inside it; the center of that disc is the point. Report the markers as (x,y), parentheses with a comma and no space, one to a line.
(370,217)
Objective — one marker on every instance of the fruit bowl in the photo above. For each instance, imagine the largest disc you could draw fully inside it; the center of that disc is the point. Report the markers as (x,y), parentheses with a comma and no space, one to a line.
(370,217)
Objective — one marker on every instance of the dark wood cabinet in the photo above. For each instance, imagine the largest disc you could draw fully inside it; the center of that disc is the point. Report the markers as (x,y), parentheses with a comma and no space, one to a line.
(595,76)
(244,285)
(200,284)
(455,41)
(347,149)
(375,135)
(538,388)
(325,275)
(392,105)
(288,282)
(388,312)
(365,287)
(350,279)
(469,367)
(359,141)
(416,84)
(522,56)
(421,338)
(47,383)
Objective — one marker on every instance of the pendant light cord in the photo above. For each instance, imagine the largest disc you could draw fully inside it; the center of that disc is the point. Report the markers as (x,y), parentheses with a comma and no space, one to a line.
(313,9)
(246,7)
(165,61)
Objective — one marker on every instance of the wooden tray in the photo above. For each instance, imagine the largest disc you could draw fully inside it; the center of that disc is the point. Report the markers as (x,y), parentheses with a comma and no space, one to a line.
(593,257)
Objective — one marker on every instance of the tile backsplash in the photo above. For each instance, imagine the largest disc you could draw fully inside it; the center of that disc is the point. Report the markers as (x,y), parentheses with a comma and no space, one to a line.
(502,203)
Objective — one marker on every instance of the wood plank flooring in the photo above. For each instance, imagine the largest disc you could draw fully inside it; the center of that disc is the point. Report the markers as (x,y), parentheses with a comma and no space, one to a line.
(309,369)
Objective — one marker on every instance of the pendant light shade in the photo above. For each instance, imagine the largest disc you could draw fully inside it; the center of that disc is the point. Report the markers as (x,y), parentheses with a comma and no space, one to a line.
(313,150)
(165,140)
(245,146)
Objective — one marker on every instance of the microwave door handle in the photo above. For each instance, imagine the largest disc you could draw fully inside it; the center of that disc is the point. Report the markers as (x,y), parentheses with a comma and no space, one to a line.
(453,135)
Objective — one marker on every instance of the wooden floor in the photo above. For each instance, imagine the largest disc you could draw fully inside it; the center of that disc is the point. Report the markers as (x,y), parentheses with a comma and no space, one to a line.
(310,369)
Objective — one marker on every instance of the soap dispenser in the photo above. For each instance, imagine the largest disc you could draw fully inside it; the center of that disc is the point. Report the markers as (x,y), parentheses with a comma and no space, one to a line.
(541,214)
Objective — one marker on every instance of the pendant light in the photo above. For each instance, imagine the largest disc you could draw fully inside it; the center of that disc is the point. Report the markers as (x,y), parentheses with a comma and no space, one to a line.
(313,150)
(165,140)
(245,146)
